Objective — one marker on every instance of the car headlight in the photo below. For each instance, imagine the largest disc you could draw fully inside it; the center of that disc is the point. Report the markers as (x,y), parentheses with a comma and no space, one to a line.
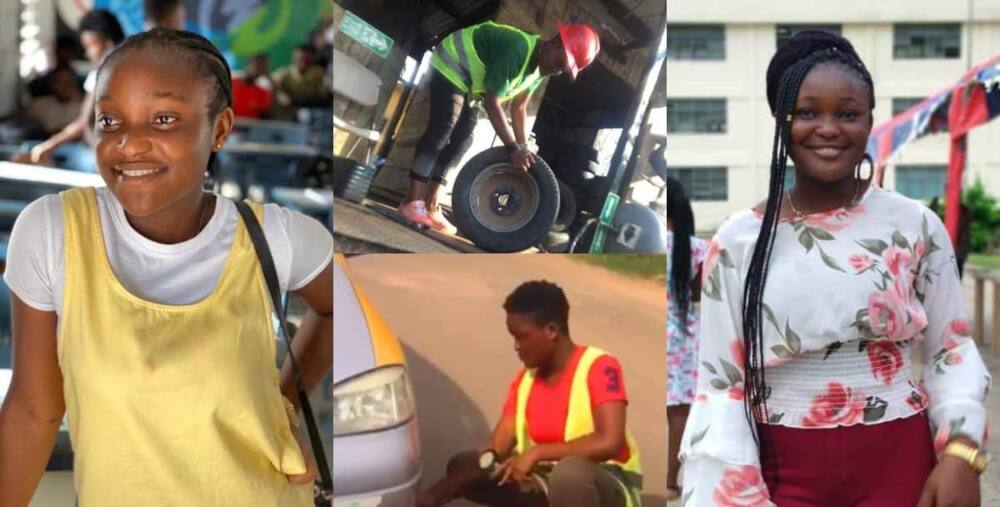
(373,401)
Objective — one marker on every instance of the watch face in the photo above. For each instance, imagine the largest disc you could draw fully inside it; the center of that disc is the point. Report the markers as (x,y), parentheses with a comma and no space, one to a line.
(487,459)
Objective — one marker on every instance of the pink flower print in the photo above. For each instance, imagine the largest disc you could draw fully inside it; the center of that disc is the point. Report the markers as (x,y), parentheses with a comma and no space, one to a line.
(741,486)
(839,405)
(885,360)
(918,249)
(953,358)
(711,260)
(861,262)
(941,439)
(959,327)
(736,351)
(886,313)
(897,260)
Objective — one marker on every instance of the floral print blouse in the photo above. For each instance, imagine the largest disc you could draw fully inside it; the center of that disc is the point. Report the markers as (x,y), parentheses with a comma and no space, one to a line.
(850,293)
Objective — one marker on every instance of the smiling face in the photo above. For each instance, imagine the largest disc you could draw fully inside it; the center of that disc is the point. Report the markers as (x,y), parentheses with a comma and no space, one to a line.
(533,343)
(154,130)
(831,123)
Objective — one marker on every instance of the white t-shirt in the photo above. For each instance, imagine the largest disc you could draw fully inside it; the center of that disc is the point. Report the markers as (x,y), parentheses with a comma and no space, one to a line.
(177,274)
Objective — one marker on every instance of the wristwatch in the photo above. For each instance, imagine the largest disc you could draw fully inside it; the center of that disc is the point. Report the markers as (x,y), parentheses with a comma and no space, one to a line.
(487,460)
(976,458)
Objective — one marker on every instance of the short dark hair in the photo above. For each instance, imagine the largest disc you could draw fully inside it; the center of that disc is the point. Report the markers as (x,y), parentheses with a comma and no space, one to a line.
(205,59)
(308,48)
(543,301)
(103,23)
(158,10)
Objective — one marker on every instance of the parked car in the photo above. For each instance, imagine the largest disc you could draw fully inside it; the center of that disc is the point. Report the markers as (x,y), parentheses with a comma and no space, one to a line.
(376,442)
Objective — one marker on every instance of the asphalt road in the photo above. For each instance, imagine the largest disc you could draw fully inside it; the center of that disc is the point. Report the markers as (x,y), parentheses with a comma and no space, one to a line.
(447,311)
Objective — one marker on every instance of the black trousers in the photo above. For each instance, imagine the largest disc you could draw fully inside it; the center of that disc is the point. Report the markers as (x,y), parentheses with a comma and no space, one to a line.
(449,131)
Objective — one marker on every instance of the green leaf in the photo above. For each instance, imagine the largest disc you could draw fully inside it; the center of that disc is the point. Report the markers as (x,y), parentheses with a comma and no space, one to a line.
(875,409)
(820,233)
(862,345)
(792,339)
(725,259)
(708,366)
(833,347)
(732,373)
(924,229)
(781,351)
(775,418)
(875,246)
(769,315)
(698,437)
(806,240)
(830,261)
(719,384)
(899,240)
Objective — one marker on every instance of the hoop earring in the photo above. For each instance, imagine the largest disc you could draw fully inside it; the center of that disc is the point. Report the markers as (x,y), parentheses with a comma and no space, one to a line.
(871,168)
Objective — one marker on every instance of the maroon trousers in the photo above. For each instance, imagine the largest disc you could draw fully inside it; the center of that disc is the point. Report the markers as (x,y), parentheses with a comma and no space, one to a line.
(882,465)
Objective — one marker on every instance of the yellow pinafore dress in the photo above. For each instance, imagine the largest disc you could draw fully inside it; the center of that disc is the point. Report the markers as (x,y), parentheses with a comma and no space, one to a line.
(171,405)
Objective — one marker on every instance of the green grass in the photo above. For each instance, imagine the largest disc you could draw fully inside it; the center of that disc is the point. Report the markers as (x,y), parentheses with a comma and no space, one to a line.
(652,267)
(990,261)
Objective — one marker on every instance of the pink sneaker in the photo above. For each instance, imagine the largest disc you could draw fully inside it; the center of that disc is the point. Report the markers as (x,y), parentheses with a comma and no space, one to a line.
(440,222)
(416,212)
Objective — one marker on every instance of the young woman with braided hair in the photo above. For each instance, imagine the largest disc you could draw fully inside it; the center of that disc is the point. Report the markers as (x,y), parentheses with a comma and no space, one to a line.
(813,303)
(141,313)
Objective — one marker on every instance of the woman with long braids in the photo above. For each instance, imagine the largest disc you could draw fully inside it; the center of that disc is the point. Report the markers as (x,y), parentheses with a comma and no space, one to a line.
(813,304)
(683,292)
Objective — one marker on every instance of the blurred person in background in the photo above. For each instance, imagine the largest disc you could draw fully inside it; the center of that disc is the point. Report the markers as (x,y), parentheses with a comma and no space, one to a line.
(687,254)
(165,14)
(322,41)
(64,53)
(250,98)
(301,83)
(100,32)
(55,111)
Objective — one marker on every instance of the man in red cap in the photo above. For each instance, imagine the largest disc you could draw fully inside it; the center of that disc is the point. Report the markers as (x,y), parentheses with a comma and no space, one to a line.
(485,65)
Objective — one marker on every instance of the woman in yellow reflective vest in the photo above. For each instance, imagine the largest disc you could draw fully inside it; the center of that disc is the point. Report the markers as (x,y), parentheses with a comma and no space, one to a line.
(491,63)
(563,422)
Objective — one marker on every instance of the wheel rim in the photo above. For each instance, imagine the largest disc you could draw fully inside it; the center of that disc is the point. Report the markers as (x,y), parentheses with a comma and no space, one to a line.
(504,199)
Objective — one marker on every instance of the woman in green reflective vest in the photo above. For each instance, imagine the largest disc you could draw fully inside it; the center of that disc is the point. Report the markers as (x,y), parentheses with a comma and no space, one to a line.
(563,424)
(488,63)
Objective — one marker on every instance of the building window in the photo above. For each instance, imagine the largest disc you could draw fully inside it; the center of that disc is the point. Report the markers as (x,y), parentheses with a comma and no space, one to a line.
(921,41)
(921,181)
(696,116)
(703,183)
(901,104)
(696,42)
(785,32)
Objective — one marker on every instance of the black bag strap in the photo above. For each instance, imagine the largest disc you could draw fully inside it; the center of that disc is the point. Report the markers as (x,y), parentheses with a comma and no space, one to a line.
(271,276)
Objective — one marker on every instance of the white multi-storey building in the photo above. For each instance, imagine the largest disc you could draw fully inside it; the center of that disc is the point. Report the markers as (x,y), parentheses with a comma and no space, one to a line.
(720,129)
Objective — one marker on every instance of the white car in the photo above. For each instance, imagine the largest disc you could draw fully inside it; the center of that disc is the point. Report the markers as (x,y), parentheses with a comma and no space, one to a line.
(376,442)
